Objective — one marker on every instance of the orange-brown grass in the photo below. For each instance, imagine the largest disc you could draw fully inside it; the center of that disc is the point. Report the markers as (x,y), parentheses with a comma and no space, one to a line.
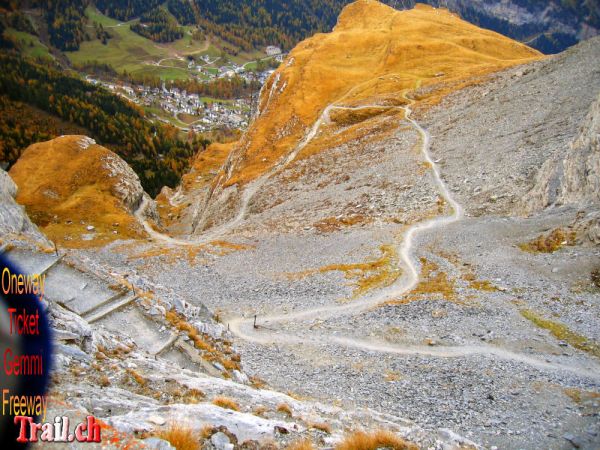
(331,224)
(347,117)
(183,394)
(365,276)
(551,242)
(207,431)
(260,410)
(563,333)
(361,440)
(172,255)
(284,408)
(180,436)
(434,284)
(226,402)
(257,382)
(373,54)
(390,375)
(59,182)
(205,167)
(321,426)
(304,444)
(579,396)
(478,285)
(137,377)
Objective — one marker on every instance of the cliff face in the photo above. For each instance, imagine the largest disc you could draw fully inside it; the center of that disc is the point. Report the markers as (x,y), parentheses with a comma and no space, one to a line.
(574,179)
(78,192)
(373,55)
(13,218)
(550,26)
(581,183)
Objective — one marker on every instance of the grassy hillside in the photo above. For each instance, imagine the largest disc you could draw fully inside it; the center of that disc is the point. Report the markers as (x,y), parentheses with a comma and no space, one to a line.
(128,51)
(87,182)
(373,55)
(29,45)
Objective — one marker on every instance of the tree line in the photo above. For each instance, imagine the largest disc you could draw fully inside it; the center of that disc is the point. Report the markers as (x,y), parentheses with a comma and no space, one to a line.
(158,26)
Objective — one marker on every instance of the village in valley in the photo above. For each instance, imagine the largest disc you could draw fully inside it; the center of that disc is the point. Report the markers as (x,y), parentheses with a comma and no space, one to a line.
(192,112)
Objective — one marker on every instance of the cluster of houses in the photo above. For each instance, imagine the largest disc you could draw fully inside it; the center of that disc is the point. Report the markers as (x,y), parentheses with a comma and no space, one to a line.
(205,115)
(200,114)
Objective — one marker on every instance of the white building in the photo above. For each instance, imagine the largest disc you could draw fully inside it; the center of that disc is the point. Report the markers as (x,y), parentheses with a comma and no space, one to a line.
(272,50)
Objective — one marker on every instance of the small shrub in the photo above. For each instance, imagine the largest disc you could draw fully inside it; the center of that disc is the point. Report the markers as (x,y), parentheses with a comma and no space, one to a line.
(595,276)
(551,242)
(226,402)
(257,382)
(104,381)
(137,377)
(259,410)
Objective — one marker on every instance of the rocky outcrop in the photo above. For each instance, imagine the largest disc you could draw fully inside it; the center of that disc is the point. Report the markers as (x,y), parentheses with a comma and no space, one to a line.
(581,183)
(573,179)
(13,218)
(80,192)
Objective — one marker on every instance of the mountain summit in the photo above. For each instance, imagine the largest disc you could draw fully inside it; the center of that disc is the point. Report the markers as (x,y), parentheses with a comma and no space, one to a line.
(372,56)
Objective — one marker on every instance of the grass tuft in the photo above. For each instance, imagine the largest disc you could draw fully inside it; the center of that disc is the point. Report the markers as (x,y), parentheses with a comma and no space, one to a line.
(365,276)
(550,243)
(321,426)
(284,408)
(360,440)
(226,402)
(180,437)
(301,445)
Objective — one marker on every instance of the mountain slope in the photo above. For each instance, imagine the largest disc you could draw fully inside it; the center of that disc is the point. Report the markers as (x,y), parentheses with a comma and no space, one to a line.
(339,232)
(372,56)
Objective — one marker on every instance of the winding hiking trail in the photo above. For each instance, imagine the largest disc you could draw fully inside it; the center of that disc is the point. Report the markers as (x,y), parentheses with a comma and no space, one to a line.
(244,327)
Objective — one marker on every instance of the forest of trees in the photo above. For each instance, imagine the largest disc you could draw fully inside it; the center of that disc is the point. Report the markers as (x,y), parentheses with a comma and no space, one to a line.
(66,22)
(126,9)
(154,151)
(158,26)
(183,11)
(22,125)
(255,23)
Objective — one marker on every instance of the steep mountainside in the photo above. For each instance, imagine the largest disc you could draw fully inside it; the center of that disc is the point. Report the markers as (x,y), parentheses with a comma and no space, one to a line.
(372,57)
(13,218)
